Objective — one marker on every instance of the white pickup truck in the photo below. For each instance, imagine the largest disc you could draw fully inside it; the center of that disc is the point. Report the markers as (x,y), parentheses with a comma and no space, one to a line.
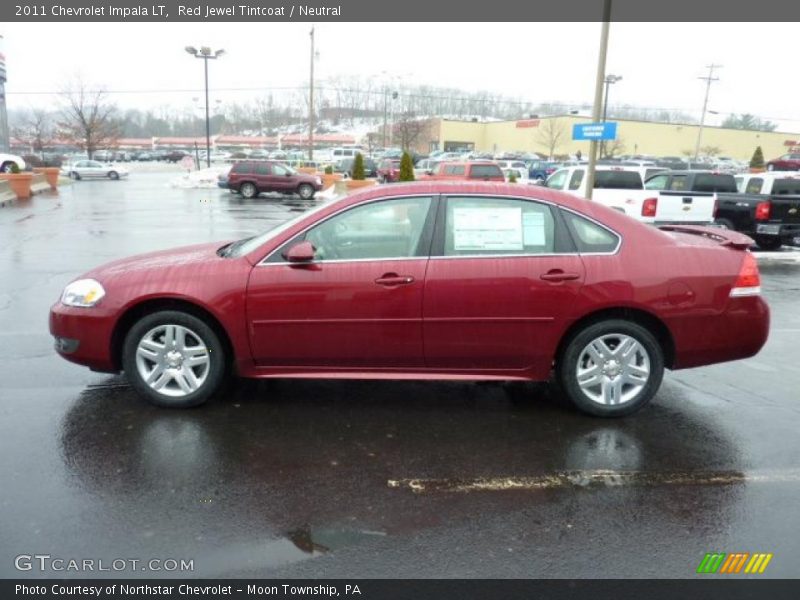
(621,188)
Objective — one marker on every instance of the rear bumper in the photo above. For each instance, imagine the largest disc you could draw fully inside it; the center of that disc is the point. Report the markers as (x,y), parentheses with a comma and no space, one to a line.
(789,234)
(740,331)
(83,335)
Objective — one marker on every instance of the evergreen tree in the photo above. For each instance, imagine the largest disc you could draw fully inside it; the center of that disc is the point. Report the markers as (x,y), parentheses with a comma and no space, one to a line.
(358,167)
(757,162)
(406,168)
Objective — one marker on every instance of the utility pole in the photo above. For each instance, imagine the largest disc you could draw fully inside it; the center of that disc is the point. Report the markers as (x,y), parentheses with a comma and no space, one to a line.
(598,95)
(709,79)
(311,102)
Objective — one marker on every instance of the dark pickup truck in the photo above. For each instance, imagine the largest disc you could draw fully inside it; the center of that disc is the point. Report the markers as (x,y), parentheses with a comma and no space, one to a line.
(766,207)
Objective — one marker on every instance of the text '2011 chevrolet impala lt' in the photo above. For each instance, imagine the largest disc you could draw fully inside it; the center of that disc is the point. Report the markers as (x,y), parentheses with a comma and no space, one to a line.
(433,280)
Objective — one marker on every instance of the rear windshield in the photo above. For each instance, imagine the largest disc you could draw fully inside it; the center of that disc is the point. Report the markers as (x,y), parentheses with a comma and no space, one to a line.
(788,187)
(626,180)
(710,182)
(481,171)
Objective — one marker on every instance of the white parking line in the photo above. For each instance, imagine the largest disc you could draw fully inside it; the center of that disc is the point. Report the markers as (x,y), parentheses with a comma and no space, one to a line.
(598,477)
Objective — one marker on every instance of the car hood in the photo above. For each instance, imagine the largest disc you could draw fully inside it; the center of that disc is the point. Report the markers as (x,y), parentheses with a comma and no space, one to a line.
(167,261)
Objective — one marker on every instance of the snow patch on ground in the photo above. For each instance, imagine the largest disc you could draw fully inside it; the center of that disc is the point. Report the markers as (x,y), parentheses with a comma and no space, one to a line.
(202,179)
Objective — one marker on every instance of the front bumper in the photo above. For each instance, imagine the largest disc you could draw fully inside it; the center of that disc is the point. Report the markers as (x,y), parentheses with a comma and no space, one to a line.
(83,335)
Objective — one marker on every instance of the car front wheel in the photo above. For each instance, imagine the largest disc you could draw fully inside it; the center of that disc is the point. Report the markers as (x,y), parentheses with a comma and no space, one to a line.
(113,175)
(305,191)
(74,175)
(248,190)
(611,368)
(174,359)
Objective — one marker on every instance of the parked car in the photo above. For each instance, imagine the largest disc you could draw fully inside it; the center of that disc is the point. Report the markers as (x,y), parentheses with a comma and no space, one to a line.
(540,170)
(556,285)
(258,154)
(512,164)
(389,170)
(787,162)
(424,167)
(175,156)
(766,207)
(7,162)
(346,166)
(250,178)
(93,169)
(103,155)
(474,170)
(142,156)
(622,188)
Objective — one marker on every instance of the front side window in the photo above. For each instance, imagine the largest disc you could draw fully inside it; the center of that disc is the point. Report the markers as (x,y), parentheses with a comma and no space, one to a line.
(280,170)
(383,229)
(498,226)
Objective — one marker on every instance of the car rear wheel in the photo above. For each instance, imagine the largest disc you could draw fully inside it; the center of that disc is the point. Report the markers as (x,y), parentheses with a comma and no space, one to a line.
(611,368)
(113,175)
(74,175)
(248,190)
(174,359)
(305,191)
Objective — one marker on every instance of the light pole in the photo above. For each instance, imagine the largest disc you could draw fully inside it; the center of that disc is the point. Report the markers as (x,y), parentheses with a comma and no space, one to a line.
(610,79)
(709,79)
(206,54)
(598,95)
(311,102)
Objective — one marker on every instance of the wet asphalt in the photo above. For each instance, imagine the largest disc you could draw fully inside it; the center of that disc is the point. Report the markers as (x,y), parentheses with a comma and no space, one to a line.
(365,479)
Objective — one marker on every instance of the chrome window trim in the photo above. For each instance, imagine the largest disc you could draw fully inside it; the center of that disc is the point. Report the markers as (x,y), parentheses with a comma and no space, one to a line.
(432,196)
(263,263)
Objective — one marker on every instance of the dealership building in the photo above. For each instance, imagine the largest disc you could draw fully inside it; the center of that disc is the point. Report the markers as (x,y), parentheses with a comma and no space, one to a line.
(633,137)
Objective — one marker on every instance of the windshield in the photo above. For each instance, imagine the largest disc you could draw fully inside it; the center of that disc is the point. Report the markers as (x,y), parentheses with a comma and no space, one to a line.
(247,245)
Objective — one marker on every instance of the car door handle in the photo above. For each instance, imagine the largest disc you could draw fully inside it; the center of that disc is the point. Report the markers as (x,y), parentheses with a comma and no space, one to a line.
(557,275)
(390,279)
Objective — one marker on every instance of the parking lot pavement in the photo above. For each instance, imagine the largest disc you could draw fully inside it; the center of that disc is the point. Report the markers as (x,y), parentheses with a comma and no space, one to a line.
(369,479)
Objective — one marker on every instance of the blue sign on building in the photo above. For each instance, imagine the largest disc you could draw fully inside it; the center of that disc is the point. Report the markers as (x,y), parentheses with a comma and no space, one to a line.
(594,131)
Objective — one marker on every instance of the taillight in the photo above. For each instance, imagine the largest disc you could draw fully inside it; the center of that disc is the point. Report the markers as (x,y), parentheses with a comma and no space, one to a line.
(762,210)
(748,283)
(649,207)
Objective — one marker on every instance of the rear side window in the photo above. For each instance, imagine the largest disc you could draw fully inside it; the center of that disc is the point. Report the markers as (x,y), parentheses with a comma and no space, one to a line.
(482,171)
(625,180)
(789,187)
(557,179)
(754,186)
(262,169)
(243,168)
(575,180)
(589,236)
(709,182)
(497,226)
(455,170)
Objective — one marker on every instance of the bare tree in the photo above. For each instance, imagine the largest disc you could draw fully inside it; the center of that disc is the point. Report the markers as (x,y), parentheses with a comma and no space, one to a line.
(551,135)
(35,130)
(407,130)
(88,117)
(612,148)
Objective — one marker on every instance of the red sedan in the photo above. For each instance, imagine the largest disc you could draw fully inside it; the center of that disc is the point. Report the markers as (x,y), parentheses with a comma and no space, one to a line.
(787,162)
(431,280)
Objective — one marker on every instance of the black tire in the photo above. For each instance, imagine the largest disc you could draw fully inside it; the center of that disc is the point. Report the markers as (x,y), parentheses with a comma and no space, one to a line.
(248,190)
(306,191)
(573,356)
(217,361)
(74,175)
(113,175)
(768,242)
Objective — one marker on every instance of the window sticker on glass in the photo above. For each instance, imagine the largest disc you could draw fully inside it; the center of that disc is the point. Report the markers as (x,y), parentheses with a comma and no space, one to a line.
(533,229)
(487,228)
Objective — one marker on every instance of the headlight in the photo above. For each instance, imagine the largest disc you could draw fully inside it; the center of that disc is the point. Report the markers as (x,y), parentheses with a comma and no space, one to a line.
(84,292)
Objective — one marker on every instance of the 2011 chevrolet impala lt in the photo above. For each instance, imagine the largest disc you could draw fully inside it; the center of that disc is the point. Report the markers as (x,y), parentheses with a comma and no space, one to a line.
(438,280)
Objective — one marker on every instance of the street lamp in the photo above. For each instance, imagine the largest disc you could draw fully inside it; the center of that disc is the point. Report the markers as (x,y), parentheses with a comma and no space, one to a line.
(609,80)
(205,53)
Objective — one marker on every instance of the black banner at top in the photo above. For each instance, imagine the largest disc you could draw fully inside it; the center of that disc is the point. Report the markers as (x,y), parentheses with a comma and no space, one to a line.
(399,11)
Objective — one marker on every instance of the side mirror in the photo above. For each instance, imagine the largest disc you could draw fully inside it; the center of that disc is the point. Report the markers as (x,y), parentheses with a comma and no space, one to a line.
(302,252)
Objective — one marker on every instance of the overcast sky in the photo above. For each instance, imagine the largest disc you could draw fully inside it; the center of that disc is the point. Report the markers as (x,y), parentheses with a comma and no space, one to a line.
(543,62)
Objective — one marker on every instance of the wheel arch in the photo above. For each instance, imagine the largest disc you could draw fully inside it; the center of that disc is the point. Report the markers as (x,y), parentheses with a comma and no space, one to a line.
(636,315)
(140,309)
